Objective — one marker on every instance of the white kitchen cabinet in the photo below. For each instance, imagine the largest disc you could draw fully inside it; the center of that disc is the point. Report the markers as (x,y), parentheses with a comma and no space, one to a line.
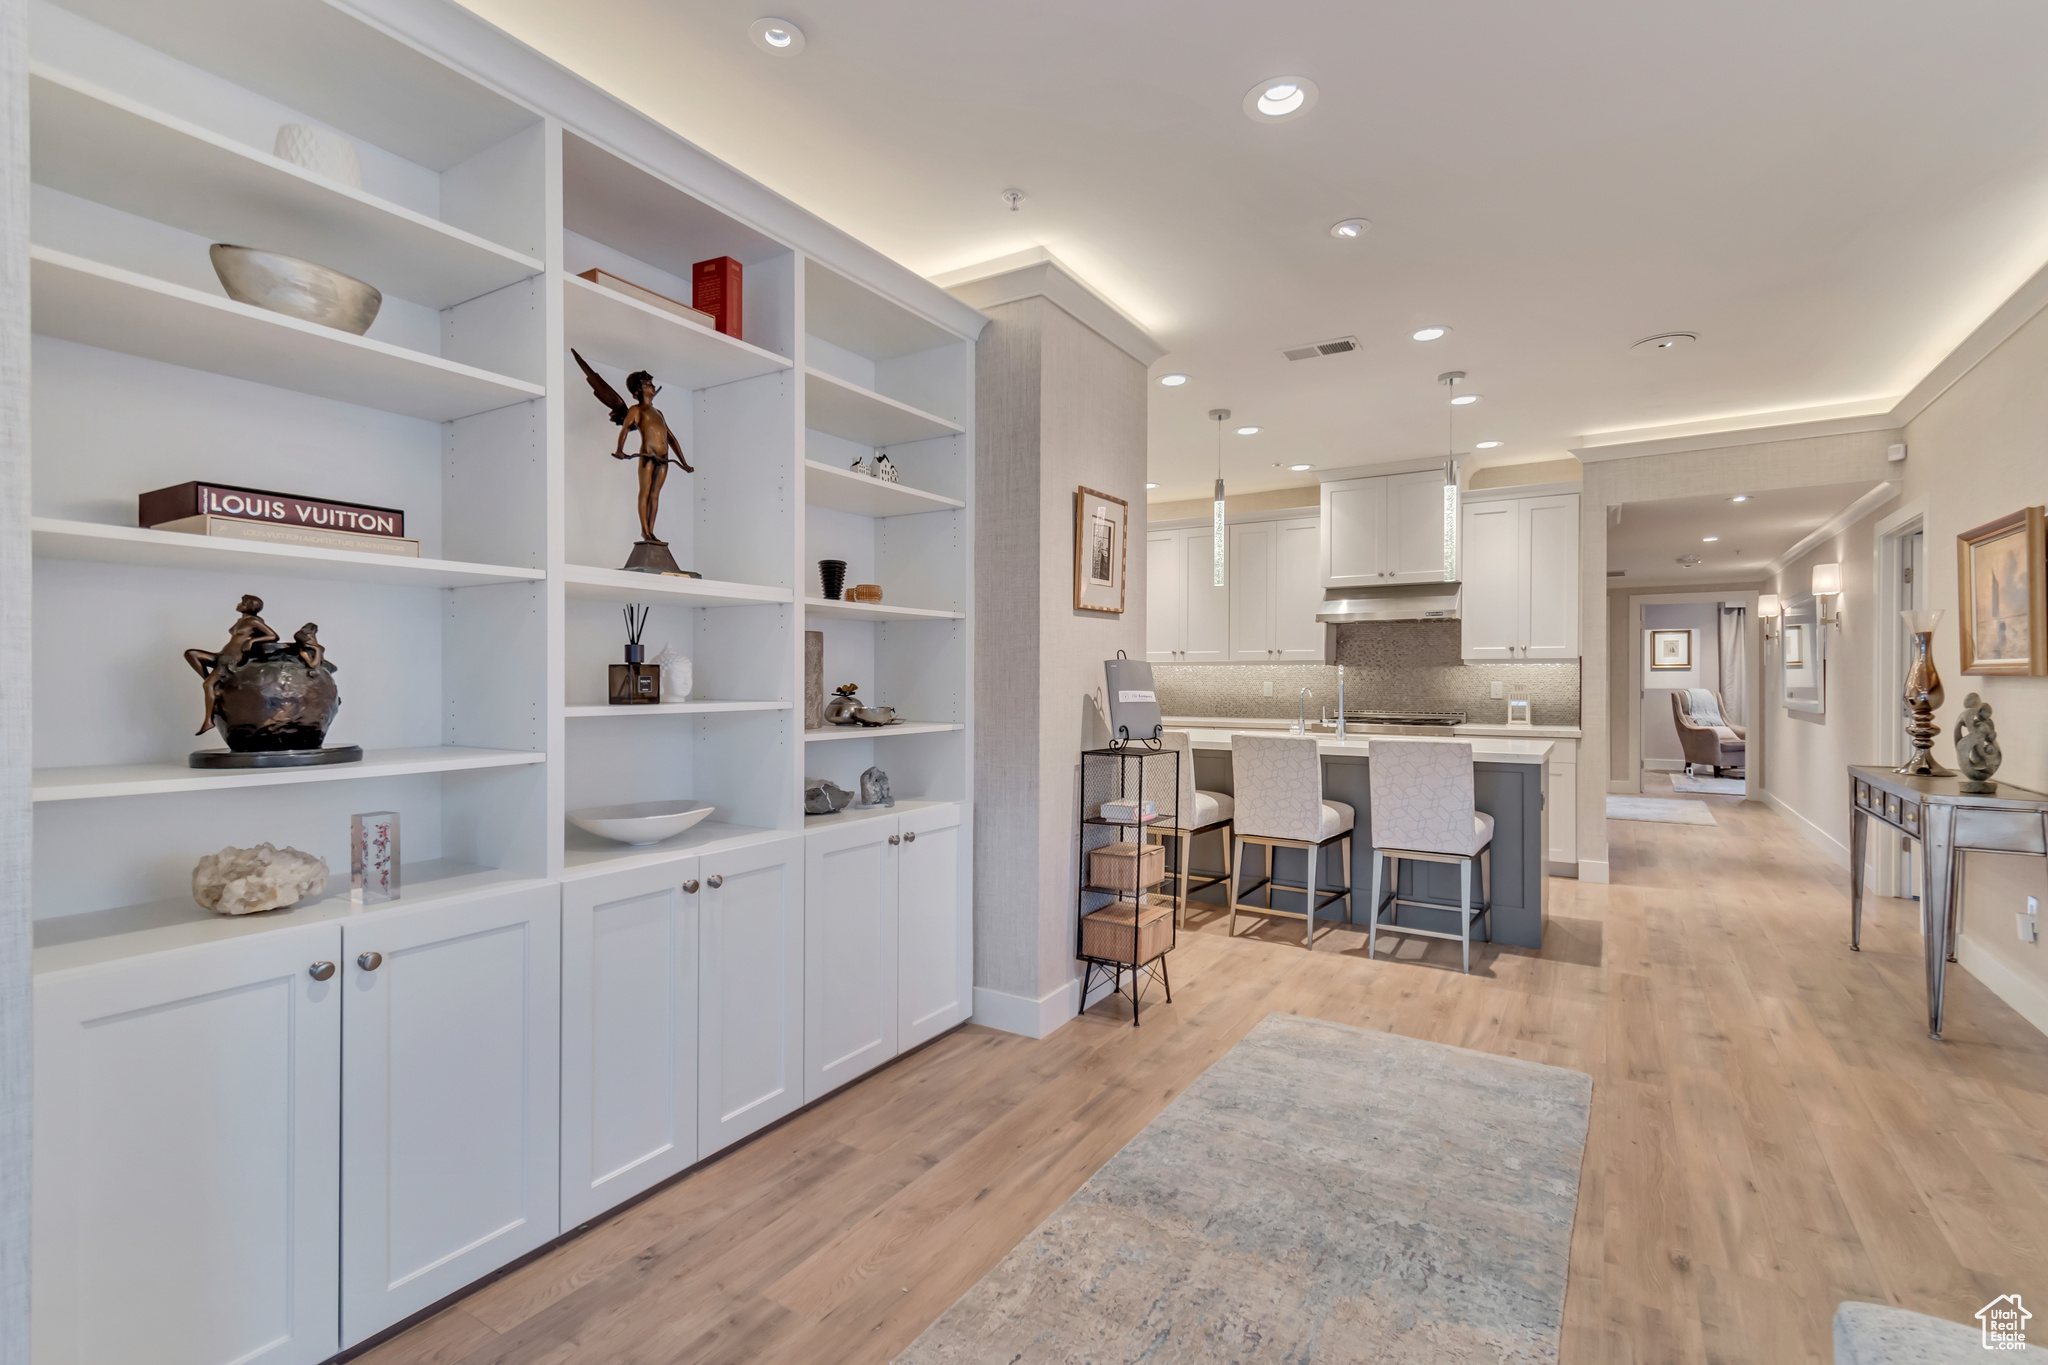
(1388,529)
(1275,591)
(934,961)
(1251,591)
(629,1033)
(187,1182)
(850,951)
(1189,621)
(450,1066)
(1521,578)
(750,981)
(1561,810)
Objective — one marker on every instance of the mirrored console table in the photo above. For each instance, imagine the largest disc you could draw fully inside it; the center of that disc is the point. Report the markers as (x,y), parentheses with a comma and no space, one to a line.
(1948,822)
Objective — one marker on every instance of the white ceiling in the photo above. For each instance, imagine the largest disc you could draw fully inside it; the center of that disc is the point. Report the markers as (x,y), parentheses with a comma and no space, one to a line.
(1831,194)
(1649,538)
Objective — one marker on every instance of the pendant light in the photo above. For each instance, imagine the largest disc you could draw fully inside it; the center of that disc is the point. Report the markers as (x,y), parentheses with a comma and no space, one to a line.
(1220,416)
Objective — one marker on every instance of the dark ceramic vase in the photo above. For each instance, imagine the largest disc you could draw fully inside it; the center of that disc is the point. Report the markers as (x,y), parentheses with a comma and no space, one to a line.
(832,577)
(273,701)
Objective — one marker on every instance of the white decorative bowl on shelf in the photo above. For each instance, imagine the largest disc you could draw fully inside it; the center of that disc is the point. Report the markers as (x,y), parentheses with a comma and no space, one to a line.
(319,151)
(641,822)
(296,288)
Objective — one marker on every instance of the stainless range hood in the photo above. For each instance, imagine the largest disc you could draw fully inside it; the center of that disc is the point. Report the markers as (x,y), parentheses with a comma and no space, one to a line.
(1405,602)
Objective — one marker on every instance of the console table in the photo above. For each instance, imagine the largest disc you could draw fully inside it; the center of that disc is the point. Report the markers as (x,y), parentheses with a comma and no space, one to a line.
(1947,821)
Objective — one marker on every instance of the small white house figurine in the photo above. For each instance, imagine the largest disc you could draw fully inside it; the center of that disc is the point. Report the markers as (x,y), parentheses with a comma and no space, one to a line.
(860,465)
(675,674)
(884,470)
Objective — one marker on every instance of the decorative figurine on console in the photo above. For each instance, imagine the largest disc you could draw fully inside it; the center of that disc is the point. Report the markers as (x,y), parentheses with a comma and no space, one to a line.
(272,702)
(874,788)
(650,553)
(1977,751)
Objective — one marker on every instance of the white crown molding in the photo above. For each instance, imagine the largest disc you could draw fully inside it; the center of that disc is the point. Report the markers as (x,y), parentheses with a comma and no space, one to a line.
(1632,444)
(2015,313)
(1037,273)
(1848,516)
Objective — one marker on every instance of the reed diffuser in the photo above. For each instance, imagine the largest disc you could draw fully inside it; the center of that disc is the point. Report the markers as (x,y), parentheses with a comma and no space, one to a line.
(636,682)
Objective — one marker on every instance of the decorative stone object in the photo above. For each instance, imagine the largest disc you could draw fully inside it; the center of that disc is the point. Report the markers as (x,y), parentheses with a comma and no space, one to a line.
(677,674)
(874,788)
(243,881)
(1977,748)
(822,796)
(814,680)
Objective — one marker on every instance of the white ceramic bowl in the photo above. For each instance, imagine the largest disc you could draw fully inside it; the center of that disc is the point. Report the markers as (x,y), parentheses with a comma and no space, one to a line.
(642,822)
(296,288)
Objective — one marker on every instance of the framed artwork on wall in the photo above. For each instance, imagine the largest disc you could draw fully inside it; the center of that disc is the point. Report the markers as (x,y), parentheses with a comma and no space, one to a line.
(2004,610)
(1671,650)
(1100,526)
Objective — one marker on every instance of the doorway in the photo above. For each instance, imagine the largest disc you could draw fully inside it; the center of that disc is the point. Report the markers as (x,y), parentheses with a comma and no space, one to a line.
(1900,544)
(1685,644)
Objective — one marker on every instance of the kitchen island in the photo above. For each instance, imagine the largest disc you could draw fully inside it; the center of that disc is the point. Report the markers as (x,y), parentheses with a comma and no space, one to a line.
(1509,783)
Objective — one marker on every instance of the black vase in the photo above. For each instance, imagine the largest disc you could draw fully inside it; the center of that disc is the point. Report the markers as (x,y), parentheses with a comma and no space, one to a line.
(832,576)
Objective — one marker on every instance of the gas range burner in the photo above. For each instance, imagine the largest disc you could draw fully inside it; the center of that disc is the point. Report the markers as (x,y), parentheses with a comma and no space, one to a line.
(1421,720)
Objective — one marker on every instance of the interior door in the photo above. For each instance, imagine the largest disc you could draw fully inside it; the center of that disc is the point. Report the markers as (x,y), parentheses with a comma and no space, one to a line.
(1492,589)
(1421,543)
(850,951)
(629,1033)
(1297,591)
(1165,602)
(1550,577)
(451,1106)
(750,1005)
(187,1178)
(1353,537)
(1251,591)
(934,969)
(1208,606)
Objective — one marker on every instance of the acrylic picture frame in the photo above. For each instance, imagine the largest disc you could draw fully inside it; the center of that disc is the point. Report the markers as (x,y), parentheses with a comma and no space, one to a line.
(1101,540)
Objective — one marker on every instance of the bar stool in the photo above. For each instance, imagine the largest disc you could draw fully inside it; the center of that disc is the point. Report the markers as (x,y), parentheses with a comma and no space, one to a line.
(1198,812)
(1279,781)
(1422,809)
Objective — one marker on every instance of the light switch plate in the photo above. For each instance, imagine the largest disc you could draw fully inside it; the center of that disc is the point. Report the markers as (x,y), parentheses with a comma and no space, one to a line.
(1497,692)
(1267,687)
(2030,928)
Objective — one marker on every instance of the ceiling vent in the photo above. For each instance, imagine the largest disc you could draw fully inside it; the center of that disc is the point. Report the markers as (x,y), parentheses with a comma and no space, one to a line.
(1341,346)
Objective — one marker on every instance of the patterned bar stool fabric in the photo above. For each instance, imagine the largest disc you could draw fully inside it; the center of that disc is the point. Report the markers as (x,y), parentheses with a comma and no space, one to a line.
(1199,812)
(1279,781)
(1422,809)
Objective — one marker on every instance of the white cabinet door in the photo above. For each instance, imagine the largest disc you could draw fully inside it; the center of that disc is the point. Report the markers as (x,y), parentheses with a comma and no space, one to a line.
(750,1002)
(1493,587)
(1421,543)
(187,1177)
(1165,603)
(850,951)
(934,971)
(1208,606)
(1297,590)
(450,1098)
(1354,518)
(629,1033)
(1550,576)
(1251,591)
(1562,811)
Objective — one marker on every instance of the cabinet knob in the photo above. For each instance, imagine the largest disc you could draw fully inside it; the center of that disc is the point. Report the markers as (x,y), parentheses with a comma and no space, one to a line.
(320,971)
(894,840)
(370,962)
(909,836)
(714,881)
(690,887)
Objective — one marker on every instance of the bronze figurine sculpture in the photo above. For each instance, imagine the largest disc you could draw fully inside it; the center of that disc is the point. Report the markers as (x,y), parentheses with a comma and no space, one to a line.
(272,701)
(657,441)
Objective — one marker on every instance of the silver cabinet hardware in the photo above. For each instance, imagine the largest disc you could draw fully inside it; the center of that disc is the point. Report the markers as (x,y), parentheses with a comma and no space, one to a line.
(370,962)
(714,881)
(320,971)
(894,840)
(909,836)
(690,887)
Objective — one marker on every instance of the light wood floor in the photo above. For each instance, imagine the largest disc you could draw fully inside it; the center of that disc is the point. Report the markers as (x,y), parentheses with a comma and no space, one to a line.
(1772,1132)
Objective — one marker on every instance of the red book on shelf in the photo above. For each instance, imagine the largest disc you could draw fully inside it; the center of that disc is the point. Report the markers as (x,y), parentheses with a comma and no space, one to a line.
(715,289)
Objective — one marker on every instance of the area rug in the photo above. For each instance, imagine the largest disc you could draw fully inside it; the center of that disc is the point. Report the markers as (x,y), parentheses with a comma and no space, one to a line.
(1658,811)
(1323,1195)
(1719,786)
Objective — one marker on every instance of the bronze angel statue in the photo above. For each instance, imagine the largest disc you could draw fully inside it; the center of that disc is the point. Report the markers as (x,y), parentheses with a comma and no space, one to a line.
(658,446)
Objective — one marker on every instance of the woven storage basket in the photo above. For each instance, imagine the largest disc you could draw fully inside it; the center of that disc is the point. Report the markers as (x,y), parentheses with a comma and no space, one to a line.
(1106,934)
(1127,867)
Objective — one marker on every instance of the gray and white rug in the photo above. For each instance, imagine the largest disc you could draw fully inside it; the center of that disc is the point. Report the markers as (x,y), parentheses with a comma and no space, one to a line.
(1323,1195)
(1719,786)
(1658,811)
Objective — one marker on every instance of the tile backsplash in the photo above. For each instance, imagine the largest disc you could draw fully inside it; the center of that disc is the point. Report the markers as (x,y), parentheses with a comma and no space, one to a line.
(1388,665)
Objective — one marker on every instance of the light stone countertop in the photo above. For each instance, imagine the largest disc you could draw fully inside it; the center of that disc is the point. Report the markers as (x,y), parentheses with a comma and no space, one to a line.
(1474,728)
(1484,750)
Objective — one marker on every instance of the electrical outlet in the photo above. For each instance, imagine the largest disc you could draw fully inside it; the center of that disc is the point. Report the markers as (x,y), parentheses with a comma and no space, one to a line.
(1497,693)
(1267,687)
(2030,928)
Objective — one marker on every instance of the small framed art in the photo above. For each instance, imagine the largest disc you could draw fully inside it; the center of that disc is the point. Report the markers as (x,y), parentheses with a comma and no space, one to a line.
(1671,650)
(1100,526)
(2004,609)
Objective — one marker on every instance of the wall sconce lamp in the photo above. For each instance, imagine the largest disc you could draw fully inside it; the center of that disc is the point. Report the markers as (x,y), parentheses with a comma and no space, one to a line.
(1768,610)
(1827,589)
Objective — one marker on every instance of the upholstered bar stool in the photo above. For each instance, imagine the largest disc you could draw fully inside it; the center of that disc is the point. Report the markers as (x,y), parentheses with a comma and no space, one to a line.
(1423,809)
(1199,812)
(1279,781)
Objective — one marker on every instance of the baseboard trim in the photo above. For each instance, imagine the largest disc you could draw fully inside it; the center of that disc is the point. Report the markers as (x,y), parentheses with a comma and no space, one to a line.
(1664,765)
(1557,869)
(2029,999)
(1593,871)
(1037,1018)
(1835,848)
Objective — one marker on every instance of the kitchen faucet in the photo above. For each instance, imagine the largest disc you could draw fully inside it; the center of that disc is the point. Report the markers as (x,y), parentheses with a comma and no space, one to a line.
(1301,711)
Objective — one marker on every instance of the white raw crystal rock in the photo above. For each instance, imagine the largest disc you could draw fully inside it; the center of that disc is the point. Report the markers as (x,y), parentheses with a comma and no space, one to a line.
(241,881)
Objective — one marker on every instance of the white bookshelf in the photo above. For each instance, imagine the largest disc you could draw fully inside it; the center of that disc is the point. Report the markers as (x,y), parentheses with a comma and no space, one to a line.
(872,732)
(842,490)
(825,609)
(166,779)
(840,408)
(672,708)
(145,549)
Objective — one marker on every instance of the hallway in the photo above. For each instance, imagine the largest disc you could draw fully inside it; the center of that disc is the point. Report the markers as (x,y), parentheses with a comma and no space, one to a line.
(1772,1132)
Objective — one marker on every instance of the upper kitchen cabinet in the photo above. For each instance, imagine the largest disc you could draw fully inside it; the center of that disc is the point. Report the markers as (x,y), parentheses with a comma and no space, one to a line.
(1521,585)
(1274,591)
(1187,616)
(1391,528)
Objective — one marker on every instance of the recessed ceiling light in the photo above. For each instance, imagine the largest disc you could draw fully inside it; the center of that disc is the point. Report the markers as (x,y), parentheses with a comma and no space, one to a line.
(1708,540)
(1740,497)
(1350,227)
(1151,485)
(776,35)
(1487,445)
(1297,468)
(1173,381)
(1279,99)
(1247,431)
(1464,399)
(1665,341)
(1430,333)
